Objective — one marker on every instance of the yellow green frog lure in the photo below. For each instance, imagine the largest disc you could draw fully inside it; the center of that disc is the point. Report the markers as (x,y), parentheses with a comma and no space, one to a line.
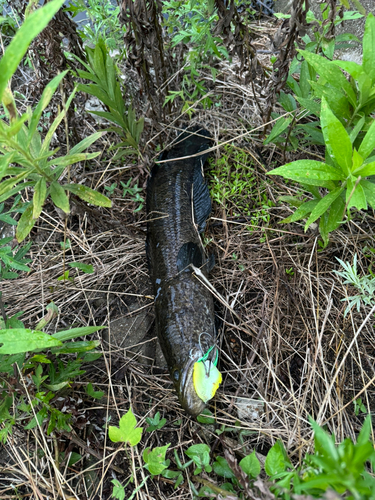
(206,377)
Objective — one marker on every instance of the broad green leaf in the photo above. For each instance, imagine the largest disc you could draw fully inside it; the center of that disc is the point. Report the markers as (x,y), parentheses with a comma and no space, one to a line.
(19,340)
(126,432)
(336,137)
(85,143)
(354,69)
(336,213)
(310,105)
(45,99)
(25,224)
(368,142)
(221,467)
(330,72)
(276,460)
(357,198)
(250,465)
(73,333)
(368,61)
(40,193)
(323,206)
(88,195)
(59,196)
(155,459)
(366,170)
(17,48)
(307,170)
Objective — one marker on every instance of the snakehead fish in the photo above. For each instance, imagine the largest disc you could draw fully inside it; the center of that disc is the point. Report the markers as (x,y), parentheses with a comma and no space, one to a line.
(178,204)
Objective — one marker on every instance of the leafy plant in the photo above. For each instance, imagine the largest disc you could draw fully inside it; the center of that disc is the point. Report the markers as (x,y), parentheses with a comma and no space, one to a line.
(348,150)
(134,194)
(22,145)
(155,423)
(16,341)
(289,131)
(101,70)
(191,23)
(103,22)
(13,258)
(365,285)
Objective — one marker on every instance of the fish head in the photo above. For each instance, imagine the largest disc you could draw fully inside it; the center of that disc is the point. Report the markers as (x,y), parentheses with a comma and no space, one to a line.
(191,379)
(187,395)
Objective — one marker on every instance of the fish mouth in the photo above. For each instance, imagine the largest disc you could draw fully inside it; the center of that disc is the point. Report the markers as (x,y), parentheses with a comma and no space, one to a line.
(189,399)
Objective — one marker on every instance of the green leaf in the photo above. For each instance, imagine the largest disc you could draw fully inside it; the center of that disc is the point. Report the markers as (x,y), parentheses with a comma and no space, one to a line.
(310,104)
(85,143)
(86,268)
(368,61)
(302,211)
(330,72)
(369,190)
(368,143)
(6,186)
(356,130)
(366,170)
(69,159)
(89,195)
(336,138)
(250,465)
(118,491)
(25,224)
(364,435)
(31,27)
(76,332)
(221,467)
(323,206)
(4,163)
(40,193)
(45,99)
(280,126)
(126,432)
(357,198)
(324,444)
(308,170)
(155,459)
(94,394)
(276,460)
(59,196)
(19,340)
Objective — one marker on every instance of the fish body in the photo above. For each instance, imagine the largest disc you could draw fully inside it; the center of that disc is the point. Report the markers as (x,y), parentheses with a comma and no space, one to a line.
(178,204)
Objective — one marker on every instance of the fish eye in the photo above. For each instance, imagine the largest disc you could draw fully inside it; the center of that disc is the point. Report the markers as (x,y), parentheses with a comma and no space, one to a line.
(176,375)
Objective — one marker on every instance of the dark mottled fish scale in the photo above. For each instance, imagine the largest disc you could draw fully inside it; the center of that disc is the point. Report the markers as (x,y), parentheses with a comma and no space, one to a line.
(178,204)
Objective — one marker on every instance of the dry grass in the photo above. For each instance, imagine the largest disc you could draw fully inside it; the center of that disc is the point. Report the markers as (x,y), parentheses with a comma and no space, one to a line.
(287,351)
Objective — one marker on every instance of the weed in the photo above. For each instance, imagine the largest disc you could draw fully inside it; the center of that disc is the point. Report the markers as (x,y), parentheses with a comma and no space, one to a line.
(365,285)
